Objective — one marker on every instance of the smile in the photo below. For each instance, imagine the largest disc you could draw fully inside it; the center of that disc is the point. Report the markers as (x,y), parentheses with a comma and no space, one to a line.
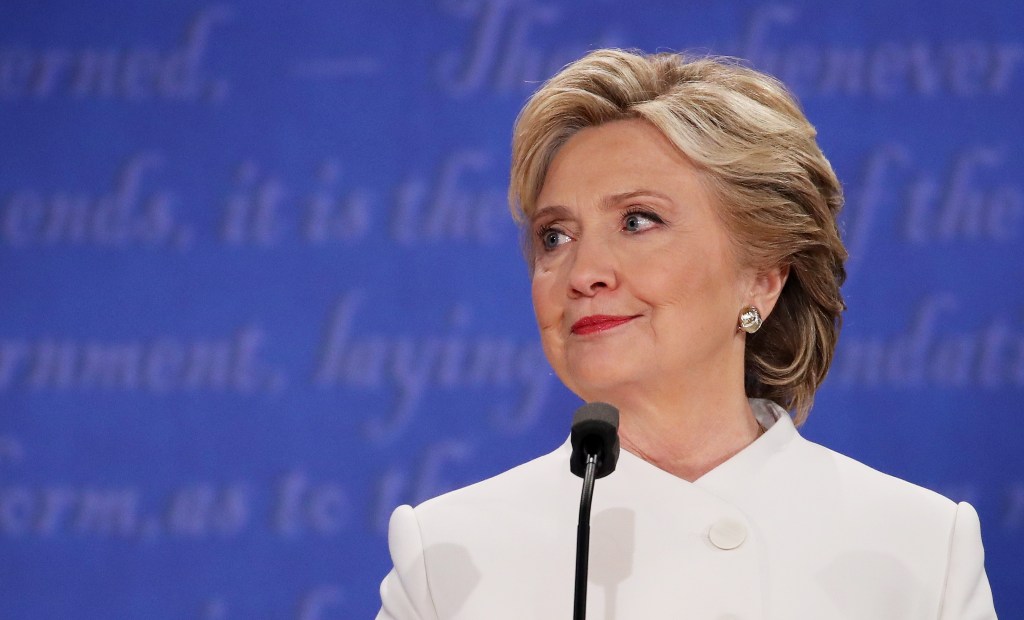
(598,323)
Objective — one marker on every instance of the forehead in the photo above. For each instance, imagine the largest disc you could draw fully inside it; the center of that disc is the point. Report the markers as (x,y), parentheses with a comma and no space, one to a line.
(617,158)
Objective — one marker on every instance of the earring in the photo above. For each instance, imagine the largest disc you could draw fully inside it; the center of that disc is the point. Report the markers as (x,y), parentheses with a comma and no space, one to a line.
(750,320)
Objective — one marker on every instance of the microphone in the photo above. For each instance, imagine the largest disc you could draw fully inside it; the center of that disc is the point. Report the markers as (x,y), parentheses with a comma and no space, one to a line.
(595,430)
(595,452)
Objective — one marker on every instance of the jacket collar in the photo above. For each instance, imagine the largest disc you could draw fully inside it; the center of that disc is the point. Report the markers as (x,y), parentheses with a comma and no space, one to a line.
(732,478)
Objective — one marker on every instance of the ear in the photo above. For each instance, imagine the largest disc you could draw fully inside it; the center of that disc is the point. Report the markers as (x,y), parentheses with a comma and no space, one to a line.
(767,287)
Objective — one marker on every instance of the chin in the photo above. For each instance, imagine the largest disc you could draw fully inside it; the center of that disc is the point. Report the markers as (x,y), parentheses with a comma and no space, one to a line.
(604,384)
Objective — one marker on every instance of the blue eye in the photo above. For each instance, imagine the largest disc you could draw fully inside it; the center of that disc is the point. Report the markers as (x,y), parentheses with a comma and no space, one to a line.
(639,221)
(551,238)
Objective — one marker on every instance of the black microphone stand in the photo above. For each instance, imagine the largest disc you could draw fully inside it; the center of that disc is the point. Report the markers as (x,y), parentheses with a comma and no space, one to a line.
(579,608)
(595,451)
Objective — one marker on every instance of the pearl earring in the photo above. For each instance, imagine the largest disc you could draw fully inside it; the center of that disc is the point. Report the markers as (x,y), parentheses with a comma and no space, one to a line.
(750,320)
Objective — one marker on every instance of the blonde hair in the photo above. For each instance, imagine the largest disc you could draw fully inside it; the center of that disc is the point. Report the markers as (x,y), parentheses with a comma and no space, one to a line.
(778,194)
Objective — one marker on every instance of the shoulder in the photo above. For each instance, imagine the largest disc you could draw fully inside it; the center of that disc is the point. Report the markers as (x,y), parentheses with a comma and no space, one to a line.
(791,463)
(862,521)
(875,545)
(868,489)
(471,542)
(524,486)
(902,533)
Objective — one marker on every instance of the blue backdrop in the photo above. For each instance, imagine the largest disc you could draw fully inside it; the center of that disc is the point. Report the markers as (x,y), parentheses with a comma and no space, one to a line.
(259,285)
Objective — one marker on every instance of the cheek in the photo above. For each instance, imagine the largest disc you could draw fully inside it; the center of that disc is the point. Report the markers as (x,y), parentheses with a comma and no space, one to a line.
(670,279)
(545,305)
(548,310)
(690,287)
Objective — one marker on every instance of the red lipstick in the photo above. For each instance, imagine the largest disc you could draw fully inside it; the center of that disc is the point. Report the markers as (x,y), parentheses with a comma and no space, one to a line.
(598,323)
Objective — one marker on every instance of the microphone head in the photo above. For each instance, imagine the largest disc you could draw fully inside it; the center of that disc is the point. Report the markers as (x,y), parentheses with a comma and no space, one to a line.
(595,430)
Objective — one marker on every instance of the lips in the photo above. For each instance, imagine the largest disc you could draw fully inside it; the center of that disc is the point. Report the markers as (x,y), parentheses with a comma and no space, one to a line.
(598,323)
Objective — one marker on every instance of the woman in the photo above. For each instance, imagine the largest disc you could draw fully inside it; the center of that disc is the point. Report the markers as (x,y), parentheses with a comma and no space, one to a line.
(686,267)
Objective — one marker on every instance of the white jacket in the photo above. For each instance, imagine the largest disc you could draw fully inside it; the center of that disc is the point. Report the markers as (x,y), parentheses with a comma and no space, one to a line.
(785,529)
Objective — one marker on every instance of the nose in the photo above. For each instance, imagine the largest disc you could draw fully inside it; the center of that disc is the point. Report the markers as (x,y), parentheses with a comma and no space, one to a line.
(594,268)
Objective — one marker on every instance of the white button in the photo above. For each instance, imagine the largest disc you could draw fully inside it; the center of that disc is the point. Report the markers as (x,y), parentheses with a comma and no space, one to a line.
(727,534)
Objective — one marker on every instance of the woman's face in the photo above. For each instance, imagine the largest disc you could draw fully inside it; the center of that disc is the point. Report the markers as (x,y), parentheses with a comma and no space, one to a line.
(635,285)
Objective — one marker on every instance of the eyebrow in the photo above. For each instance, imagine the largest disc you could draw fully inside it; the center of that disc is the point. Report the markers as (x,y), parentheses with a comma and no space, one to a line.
(607,202)
(555,211)
(610,201)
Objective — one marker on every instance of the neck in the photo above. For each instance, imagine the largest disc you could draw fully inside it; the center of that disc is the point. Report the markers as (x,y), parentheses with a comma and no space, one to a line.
(689,441)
